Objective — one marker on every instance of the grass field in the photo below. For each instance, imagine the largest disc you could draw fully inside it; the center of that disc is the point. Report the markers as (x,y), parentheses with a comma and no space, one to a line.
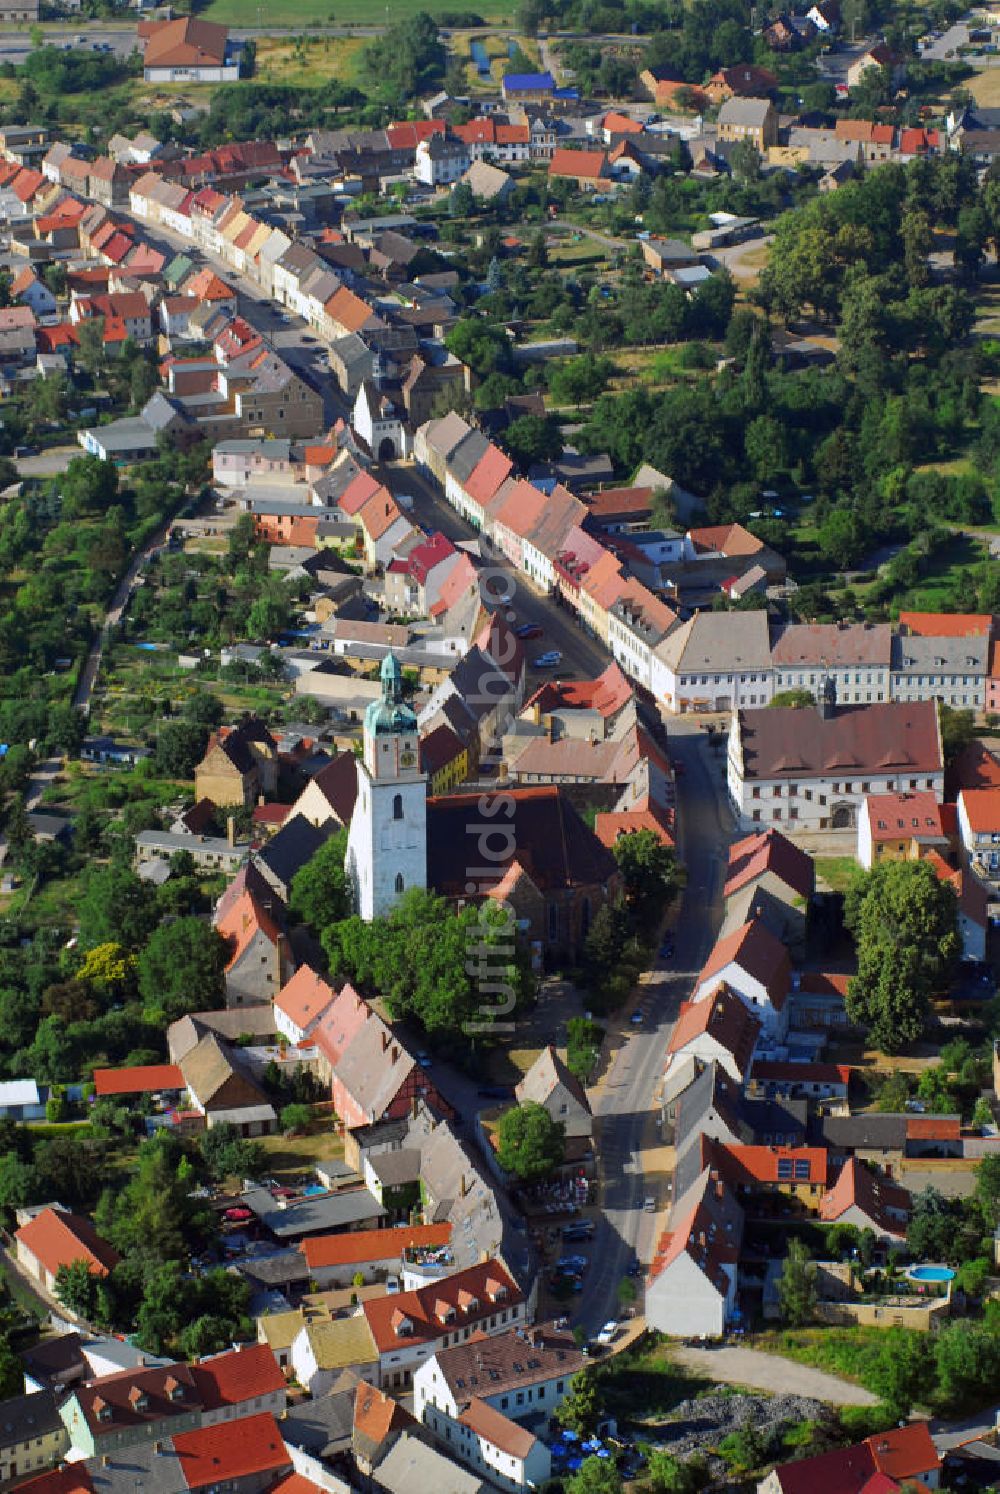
(985,87)
(330,12)
(835,872)
(308,61)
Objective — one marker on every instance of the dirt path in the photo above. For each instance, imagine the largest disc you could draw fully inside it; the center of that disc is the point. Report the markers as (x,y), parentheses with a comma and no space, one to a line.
(734,1366)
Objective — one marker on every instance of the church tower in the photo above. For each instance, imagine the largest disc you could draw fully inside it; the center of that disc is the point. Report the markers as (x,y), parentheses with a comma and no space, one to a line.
(387,841)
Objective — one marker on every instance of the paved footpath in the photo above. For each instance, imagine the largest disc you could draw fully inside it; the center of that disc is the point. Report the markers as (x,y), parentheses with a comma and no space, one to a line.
(736,1366)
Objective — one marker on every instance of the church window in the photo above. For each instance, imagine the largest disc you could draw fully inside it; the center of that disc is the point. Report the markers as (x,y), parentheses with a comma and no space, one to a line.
(397,806)
(399,881)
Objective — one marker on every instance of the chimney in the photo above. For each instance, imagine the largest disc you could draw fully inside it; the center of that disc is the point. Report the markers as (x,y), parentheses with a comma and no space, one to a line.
(231,830)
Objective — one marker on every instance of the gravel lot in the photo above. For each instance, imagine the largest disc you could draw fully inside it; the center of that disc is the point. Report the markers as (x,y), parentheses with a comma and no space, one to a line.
(701,1424)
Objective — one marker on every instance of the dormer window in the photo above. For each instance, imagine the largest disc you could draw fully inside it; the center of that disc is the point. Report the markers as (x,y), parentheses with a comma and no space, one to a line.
(173,1388)
(101,1409)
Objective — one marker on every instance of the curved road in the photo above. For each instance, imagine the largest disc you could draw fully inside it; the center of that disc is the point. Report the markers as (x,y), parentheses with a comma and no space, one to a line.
(92,665)
(624,1100)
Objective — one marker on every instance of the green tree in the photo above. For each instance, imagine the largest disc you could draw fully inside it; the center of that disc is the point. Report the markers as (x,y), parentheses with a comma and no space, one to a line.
(227,1154)
(11,1370)
(77,1289)
(116,908)
(797,1285)
(321,889)
(597,1476)
(651,875)
(668,1475)
(18,1183)
(296,1119)
(89,486)
(904,1370)
(180,746)
(530,1144)
(933,1227)
(905,927)
(797,699)
(182,969)
(968,1358)
(958,729)
(452,972)
(581,1408)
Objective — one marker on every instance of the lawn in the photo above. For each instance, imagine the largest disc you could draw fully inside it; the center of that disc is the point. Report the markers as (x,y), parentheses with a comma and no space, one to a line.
(644,1382)
(985,87)
(327,12)
(307,62)
(289,1156)
(851,1353)
(835,872)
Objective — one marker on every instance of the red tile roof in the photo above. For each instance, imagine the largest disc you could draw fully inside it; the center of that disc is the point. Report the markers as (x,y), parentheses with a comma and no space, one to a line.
(769,851)
(907,816)
(946,624)
(141,1080)
(805,1073)
(358,1246)
(982,808)
(610,826)
(579,164)
(769,1164)
(858,1186)
(754,949)
(904,1452)
(423,1315)
(497,1429)
(238,1376)
(723,1017)
(933,1127)
(231,1450)
(492,469)
(56,1238)
(305,997)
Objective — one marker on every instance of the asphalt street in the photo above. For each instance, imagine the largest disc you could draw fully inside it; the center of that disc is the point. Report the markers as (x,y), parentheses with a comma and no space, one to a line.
(625,1106)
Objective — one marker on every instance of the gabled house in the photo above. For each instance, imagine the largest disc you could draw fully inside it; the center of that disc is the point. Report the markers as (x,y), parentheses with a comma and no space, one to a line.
(222,1093)
(300,1004)
(407,1328)
(372,1076)
(756,966)
(772,879)
(240,765)
(721,1029)
(888,1461)
(864,1198)
(549,1083)
(54,1238)
(259,956)
(691,1284)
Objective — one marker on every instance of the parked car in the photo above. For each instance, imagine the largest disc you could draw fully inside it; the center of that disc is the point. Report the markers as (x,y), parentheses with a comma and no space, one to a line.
(528,630)
(548,660)
(237,1216)
(607,1333)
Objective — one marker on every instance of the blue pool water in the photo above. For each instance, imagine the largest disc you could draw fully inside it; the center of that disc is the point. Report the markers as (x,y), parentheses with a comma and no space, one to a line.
(930,1273)
(311,1190)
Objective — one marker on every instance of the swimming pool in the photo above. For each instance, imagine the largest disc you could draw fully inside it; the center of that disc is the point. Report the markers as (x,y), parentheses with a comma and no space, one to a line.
(931,1273)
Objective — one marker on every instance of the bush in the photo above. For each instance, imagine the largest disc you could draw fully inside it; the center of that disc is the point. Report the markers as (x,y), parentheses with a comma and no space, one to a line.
(296,1118)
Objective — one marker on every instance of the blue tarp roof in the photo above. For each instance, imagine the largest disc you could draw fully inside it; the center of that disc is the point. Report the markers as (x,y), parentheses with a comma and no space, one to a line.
(524,81)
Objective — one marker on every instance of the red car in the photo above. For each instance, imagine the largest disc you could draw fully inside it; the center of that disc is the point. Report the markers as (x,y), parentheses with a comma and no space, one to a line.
(528,630)
(238,1216)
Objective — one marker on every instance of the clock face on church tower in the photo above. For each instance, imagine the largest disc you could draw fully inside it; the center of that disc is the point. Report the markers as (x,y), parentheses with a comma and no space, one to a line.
(406,758)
